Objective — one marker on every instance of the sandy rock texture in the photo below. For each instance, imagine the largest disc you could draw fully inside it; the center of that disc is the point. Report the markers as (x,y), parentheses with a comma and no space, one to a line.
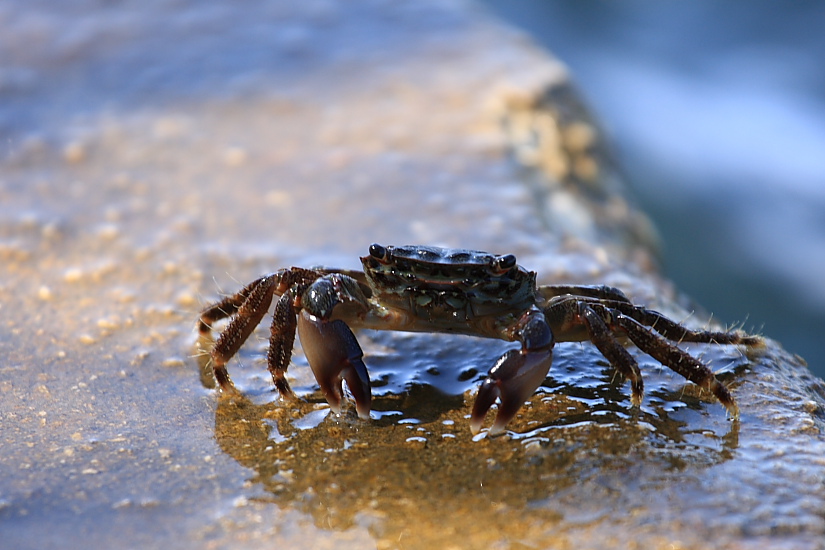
(156,155)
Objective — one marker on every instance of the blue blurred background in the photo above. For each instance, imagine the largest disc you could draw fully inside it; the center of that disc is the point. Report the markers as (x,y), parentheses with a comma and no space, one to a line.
(717,114)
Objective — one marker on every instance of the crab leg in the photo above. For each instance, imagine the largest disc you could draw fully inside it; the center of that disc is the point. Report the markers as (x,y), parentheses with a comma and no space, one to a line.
(258,297)
(334,355)
(600,292)
(676,332)
(227,307)
(517,373)
(613,351)
(281,341)
(602,320)
(678,360)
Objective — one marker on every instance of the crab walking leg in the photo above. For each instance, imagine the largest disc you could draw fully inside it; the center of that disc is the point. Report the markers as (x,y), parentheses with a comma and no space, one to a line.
(678,360)
(516,375)
(599,292)
(613,351)
(678,333)
(334,355)
(673,330)
(281,341)
(227,307)
(249,315)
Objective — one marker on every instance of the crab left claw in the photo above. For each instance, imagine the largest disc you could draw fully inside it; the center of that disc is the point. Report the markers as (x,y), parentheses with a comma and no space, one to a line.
(516,375)
(334,355)
(513,379)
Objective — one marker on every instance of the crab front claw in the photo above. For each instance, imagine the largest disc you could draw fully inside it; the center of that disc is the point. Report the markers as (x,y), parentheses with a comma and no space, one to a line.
(334,355)
(513,379)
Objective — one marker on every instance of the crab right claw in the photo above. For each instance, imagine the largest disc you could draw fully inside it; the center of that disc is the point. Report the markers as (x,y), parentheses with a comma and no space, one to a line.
(513,379)
(334,355)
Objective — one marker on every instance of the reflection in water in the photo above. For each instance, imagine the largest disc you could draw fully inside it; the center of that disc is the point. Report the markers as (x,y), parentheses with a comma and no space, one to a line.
(414,470)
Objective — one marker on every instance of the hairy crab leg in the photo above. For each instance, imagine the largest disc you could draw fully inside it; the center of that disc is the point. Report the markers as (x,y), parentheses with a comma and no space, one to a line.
(281,341)
(576,318)
(249,315)
(227,307)
(516,374)
(613,351)
(599,292)
(334,355)
(677,360)
(676,332)
(602,319)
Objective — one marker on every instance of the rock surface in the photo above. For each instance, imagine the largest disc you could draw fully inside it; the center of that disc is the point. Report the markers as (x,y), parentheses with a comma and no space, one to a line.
(158,154)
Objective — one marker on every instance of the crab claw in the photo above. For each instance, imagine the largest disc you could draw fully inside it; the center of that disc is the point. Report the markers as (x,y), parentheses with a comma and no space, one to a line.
(513,379)
(334,355)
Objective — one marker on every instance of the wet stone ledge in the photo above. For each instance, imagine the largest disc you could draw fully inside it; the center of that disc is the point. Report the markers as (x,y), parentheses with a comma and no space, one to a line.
(137,186)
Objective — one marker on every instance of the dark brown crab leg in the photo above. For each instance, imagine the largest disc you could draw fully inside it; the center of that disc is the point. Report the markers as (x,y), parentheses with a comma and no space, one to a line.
(605,318)
(248,307)
(678,360)
(255,300)
(678,333)
(281,342)
(574,317)
(635,320)
(599,292)
(227,307)
(613,351)
(516,374)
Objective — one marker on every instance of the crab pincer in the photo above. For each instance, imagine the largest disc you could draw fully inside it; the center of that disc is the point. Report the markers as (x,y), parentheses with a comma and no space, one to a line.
(512,380)
(516,374)
(334,355)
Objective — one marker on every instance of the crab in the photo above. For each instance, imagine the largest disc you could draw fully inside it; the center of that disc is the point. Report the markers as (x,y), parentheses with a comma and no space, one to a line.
(444,290)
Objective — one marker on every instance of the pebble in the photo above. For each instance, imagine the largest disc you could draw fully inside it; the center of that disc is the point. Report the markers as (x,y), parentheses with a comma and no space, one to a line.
(173,362)
(87,339)
(110,323)
(186,298)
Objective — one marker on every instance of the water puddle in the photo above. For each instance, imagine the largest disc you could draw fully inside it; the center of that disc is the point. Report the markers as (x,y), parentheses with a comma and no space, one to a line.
(415,457)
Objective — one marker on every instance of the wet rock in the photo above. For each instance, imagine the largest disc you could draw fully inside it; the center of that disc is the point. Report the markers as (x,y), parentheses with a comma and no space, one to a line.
(235,142)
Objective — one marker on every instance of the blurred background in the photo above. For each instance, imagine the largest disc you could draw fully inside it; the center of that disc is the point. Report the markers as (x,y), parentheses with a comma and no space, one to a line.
(717,115)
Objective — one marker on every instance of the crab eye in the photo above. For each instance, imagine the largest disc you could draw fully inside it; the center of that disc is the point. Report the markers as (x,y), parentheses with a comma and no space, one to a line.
(377,251)
(505,262)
